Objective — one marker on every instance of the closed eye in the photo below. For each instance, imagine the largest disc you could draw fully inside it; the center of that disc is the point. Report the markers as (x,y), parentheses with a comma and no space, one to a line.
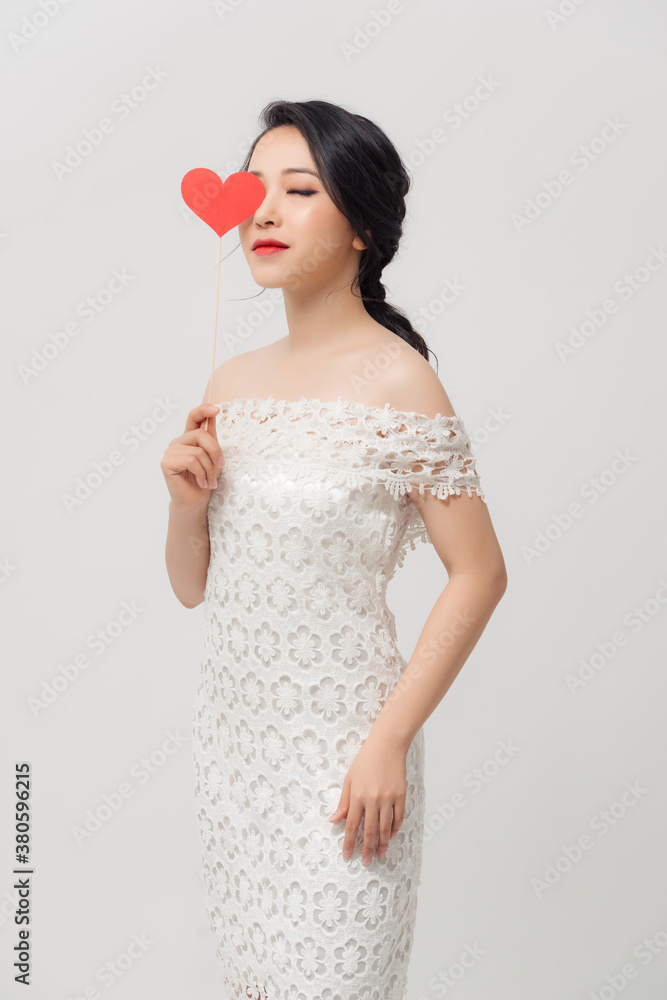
(296,191)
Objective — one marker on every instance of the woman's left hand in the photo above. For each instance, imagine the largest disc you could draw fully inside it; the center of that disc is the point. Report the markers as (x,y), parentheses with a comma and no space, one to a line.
(375,787)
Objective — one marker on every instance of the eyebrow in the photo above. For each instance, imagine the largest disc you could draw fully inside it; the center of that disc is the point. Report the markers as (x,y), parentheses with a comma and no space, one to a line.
(289,170)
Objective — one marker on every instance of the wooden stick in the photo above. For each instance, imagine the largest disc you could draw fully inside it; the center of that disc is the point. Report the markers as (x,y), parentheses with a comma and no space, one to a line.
(215,327)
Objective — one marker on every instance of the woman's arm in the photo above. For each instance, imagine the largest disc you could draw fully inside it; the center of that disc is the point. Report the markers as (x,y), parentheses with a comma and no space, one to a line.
(462,533)
(375,785)
(463,536)
(460,528)
(191,466)
(187,553)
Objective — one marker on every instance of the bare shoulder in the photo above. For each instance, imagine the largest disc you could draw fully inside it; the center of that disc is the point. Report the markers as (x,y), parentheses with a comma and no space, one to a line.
(230,378)
(413,385)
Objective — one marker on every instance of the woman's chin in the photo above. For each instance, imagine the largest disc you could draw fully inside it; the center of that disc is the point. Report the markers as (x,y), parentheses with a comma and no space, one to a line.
(267,281)
(268,277)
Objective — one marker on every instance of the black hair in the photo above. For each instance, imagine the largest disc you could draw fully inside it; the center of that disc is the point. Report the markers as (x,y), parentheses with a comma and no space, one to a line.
(366,179)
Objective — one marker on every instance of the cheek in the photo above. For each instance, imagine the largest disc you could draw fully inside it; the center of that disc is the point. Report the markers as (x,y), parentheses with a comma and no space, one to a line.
(329,235)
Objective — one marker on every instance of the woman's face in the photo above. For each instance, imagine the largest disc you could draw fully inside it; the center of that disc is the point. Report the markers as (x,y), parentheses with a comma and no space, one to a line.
(322,249)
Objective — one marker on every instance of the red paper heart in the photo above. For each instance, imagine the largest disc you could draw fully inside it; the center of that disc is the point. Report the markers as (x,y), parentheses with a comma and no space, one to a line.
(222,206)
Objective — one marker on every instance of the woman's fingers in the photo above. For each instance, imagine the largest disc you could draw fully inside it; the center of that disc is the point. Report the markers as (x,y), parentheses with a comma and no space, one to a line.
(399,814)
(195,460)
(374,791)
(207,450)
(204,432)
(198,414)
(194,457)
(192,461)
(379,822)
(352,823)
(370,832)
(386,817)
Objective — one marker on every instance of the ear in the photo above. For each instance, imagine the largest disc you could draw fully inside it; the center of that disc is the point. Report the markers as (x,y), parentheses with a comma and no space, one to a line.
(358,244)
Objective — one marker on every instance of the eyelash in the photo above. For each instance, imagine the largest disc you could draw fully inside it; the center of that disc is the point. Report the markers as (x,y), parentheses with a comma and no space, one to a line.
(295,191)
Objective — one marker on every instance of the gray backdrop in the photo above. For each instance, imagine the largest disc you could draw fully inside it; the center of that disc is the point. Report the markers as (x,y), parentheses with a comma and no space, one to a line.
(535,258)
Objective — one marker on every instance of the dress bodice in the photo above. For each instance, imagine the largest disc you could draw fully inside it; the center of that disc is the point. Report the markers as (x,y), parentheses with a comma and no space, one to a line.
(331,451)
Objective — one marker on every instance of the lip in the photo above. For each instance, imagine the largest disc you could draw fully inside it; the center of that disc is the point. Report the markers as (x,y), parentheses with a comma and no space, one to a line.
(269,243)
(269,251)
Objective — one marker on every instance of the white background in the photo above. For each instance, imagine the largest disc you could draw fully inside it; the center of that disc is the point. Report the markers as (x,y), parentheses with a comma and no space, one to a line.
(547,428)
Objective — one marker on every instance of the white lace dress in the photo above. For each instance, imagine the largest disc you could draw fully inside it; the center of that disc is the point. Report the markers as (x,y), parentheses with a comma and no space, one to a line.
(308,522)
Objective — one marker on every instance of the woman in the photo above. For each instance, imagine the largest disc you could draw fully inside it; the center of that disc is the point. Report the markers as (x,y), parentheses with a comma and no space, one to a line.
(327,453)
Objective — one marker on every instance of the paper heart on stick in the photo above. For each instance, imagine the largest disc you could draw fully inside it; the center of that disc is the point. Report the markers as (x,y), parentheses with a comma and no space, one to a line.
(222,205)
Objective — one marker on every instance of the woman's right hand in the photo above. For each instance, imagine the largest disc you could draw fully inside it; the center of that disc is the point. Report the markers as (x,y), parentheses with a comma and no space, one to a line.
(192,462)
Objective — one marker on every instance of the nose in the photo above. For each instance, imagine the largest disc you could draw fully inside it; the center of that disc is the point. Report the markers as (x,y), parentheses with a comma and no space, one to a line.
(267,213)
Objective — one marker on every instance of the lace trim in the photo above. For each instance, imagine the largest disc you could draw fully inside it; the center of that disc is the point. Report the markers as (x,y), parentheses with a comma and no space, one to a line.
(398,448)
(396,483)
(269,404)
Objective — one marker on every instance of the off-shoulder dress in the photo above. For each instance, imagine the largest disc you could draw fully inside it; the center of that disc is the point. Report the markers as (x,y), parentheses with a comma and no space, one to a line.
(310,519)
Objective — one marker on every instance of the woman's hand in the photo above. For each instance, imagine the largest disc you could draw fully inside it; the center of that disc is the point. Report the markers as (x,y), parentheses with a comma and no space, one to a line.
(374,786)
(191,464)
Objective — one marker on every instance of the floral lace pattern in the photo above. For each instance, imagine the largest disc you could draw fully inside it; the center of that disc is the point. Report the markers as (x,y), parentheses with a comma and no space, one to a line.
(299,655)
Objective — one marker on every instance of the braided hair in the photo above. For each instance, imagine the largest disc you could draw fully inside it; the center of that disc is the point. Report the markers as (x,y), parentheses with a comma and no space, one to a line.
(366,179)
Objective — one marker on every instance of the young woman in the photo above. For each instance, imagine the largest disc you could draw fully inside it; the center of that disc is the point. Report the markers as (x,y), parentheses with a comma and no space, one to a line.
(328,452)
